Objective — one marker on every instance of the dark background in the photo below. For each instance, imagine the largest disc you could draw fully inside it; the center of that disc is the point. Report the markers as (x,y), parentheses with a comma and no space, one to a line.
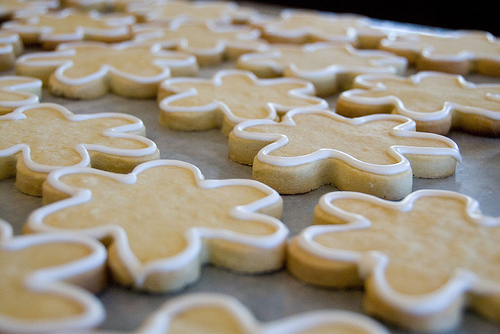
(469,14)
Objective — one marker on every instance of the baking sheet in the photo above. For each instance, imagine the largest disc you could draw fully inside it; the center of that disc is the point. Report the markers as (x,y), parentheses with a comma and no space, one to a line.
(270,296)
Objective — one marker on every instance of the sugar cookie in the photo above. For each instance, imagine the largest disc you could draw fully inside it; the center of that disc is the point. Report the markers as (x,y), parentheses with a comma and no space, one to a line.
(17,91)
(437,102)
(230,97)
(163,221)
(219,313)
(331,68)
(11,46)
(68,25)
(48,280)
(458,52)
(89,70)
(421,261)
(39,138)
(210,43)
(377,154)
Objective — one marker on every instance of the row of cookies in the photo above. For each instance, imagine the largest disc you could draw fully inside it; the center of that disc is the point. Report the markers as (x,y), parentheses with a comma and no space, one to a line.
(247,77)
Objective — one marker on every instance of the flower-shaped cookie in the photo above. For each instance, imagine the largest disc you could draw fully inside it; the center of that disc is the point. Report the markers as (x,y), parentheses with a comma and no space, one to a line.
(187,11)
(17,91)
(230,97)
(164,220)
(219,313)
(437,102)
(90,69)
(68,25)
(421,260)
(376,154)
(40,138)
(300,27)
(11,46)
(19,8)
(330,67)
(208,42)
(47,280)
(459,52)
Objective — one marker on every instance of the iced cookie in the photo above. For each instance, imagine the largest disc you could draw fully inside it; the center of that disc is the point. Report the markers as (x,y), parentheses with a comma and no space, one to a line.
(375,154)
(422,261)
(39,138)
(460,52)
(11,46)
(330,67)
(437,102)
(219,313)
(47,281)
(17,91)
(300,27)
(192,11)
(163,221)
(210,43)
(89,70)
(105,6)
(68,25)
(230,97)
(10,9)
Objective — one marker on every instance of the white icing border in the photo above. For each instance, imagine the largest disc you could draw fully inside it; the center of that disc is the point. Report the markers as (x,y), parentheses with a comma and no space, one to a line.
(138,270)
(68,50)
(405,129)
(374,263)
(159,322)
(83,148)
(306,91)
(369,82)
(30,90)
(390,64)
(51,280)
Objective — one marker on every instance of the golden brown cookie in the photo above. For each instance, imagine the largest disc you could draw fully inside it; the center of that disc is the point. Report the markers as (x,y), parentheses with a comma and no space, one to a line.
(39,138)
(377,154)
(163,221)
(47,281)
(422,261)
(89,70)
(230,97)
(437,102)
